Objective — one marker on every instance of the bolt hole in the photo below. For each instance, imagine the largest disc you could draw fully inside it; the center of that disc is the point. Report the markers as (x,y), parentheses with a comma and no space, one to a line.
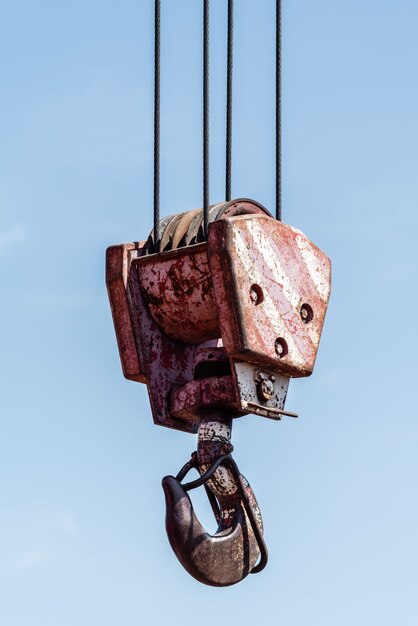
(306,313)
(256,294)
(280,346)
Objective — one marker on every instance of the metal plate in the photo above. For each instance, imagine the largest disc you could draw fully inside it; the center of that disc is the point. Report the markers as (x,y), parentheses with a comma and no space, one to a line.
(118,266)
(265,275)
(249,379)
(177,289)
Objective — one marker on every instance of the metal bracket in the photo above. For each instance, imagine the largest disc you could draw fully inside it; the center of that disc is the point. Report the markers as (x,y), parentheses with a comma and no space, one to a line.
(261,390)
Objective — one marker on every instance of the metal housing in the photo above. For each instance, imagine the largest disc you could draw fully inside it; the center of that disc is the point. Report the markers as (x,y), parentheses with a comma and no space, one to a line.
(223,322)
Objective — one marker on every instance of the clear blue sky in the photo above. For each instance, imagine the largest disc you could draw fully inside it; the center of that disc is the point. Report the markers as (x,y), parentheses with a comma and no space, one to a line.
(82,538)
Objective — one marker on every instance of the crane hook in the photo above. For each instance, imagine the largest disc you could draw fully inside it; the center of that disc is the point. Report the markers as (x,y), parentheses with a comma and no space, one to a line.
(231,553)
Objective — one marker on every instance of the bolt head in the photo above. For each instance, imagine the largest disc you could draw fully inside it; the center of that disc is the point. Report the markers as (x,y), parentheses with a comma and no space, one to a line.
(253,296)
(265,389)
(306,313)
(280,346)
(256,294)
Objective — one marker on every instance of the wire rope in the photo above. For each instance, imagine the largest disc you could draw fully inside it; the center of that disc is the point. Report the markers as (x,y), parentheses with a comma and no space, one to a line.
(157,54)
(205,116)
(278,109)
(228,166)
(229,109)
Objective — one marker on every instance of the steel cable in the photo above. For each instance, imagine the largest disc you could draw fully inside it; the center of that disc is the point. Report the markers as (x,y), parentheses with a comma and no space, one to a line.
(157,37)
(229,101)
(278,110)
(205,116)
(228,168)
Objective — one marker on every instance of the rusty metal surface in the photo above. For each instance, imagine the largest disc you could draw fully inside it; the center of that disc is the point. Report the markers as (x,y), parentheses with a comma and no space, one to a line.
(229,555)
(177,289)
(242,206)
(177,284)
(261,390)
(215,330)
(118,263)
(167,363)
(190,401)
(186,229)
(195,322)
(272,287)
(180,236)
(213,355)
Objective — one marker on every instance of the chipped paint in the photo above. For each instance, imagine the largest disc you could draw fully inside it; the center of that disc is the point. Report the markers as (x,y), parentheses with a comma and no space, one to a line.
(242,293)
(216,329)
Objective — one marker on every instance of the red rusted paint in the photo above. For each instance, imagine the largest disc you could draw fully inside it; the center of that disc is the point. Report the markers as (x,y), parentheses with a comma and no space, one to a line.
(177,288)
(288,270)
(216,329)
(166,363)
(244,290)
(118,262)
(191,399)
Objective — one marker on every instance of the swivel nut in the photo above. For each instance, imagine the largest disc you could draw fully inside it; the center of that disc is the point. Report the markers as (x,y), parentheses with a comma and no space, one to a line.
(265,385)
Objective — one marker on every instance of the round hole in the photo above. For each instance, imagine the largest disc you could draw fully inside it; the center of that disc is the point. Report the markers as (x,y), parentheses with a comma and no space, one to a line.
(256,294)
(280,347)
(306,313)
